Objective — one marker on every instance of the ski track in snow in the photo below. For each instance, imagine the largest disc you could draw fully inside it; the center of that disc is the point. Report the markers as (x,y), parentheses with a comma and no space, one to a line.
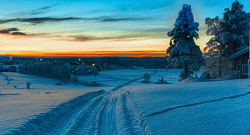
(100,112)
(199,103)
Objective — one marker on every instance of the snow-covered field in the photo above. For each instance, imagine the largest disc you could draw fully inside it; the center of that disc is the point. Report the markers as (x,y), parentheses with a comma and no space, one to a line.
(221,107)
(124,105)
(19,105)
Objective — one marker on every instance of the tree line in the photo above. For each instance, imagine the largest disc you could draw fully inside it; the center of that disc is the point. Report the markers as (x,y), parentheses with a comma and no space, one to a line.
(46,69)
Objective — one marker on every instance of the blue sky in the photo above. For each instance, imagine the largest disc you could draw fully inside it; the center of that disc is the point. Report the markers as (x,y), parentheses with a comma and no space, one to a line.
(99,25)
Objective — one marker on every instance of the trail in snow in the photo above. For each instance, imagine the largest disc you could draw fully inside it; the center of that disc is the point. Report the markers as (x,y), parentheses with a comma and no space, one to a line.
(100,112)
(132,118)
(47,122)
(199,103)
(125,84)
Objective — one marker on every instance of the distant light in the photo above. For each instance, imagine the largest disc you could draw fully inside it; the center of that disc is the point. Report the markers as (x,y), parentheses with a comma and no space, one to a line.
(41,59)
(93,64)
(55,61)
(79,59)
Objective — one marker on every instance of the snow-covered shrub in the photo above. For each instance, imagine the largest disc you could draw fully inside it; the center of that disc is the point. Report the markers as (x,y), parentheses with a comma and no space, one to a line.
(75,79)
(146,78)
(28,85)
(161,81)
(183,52)
(95,71)
(12,69)
(63,73)
(208,75)
(216,65)
(92,84)
(22,69)
(58,83)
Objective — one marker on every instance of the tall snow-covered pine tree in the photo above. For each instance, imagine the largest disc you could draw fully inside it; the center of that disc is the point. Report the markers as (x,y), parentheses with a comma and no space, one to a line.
(183,52)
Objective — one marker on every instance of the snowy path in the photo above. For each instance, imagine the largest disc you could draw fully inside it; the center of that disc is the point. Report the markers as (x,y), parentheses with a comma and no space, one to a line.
(100,112)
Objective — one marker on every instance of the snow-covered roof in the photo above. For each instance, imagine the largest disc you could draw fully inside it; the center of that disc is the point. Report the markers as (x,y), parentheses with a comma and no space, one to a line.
(239,53)
(4,67)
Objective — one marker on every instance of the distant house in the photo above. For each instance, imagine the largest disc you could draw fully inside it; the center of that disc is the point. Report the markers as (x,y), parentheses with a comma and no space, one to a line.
(241,63)
(9,62)
(8,68)
(82,69)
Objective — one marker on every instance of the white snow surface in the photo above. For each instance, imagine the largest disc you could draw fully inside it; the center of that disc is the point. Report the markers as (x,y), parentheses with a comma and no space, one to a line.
(19,105)
(220,107)
(124,105)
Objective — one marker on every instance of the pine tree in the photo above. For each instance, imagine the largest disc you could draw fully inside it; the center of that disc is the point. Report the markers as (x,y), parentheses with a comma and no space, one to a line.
(183,52)
(230,35)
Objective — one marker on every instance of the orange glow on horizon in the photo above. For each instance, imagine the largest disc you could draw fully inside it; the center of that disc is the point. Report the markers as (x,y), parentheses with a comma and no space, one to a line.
(143,53)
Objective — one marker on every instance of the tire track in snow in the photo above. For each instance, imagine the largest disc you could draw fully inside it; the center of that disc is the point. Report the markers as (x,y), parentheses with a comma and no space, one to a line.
(92,113)
(46,123)
(80,124)
(199,103)
(107,123)
(125,84)
(107,120)
(133,119)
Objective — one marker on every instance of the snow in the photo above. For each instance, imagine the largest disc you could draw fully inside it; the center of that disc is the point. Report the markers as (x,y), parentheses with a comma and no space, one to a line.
(113,78)
(124,105)
(220,107)
(20,105)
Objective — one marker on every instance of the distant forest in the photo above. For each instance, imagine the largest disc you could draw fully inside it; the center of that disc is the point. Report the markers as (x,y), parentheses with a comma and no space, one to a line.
(127,62)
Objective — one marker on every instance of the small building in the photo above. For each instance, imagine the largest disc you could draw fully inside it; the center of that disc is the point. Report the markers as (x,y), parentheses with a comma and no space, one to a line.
(10,62)
(241,63)
(82,69)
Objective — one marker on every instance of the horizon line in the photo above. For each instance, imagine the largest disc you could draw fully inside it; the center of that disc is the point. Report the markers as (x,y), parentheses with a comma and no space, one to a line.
(141,53)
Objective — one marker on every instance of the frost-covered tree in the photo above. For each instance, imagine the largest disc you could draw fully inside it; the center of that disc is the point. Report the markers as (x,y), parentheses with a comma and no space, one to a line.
(235,28)
(230,35)
(64,73)
(183,52)
(47,69)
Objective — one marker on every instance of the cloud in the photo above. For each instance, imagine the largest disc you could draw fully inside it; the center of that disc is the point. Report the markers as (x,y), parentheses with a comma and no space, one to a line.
(83,38)
(12,31)
(121,19)
(8,31)
(38,11)
(123,37)
(18,33)
(39,20)
(129,35)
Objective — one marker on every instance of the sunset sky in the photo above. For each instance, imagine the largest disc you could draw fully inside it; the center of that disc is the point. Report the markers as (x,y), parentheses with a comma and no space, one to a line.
(97,27)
